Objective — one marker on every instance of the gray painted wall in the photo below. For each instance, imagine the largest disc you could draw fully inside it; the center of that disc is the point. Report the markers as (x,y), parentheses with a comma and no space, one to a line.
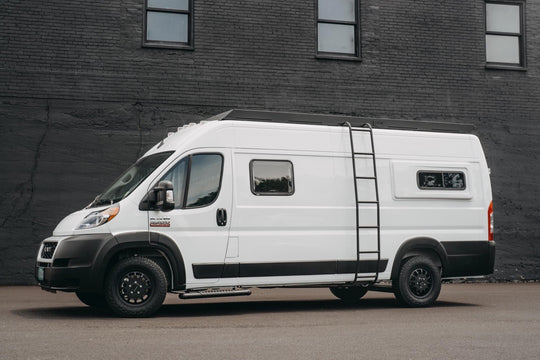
(80,99)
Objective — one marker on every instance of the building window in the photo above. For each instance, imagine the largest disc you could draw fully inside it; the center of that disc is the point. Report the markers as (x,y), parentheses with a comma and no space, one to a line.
(505,45)
(168,23)
(337,29)
(271,177)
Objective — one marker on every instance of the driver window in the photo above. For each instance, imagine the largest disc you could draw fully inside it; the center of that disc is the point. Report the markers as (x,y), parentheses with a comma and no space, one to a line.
(203,172)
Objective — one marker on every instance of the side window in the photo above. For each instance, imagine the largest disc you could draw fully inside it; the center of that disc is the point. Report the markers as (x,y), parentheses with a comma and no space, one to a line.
(204,179)
(177,175)
(271,177)
(196,180)
(438,180)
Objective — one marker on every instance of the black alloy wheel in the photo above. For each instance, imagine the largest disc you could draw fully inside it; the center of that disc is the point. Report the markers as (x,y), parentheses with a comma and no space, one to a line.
(135,287)
(418,283)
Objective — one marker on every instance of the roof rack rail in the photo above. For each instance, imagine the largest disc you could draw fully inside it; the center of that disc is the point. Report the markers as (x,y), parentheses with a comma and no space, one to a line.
(330,119)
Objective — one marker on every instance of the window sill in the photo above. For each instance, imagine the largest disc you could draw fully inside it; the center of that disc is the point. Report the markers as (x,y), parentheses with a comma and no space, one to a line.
(164,45)
(338,57)
(506,67)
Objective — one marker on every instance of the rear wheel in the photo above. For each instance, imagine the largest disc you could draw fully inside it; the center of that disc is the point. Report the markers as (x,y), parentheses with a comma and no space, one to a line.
(135,287)
(418,283)
(349,294)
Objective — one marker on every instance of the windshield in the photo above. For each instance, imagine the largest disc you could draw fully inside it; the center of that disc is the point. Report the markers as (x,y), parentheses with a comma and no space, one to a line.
(130,179)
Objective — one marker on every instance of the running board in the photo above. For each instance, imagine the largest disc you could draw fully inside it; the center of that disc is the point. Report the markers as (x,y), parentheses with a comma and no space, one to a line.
(214,293)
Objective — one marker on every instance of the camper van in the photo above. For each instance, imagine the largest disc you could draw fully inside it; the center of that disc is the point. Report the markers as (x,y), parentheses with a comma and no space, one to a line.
(229,204)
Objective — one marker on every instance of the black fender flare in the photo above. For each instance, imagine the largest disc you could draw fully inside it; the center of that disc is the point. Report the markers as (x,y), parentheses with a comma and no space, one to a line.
(141,240)
(418,245)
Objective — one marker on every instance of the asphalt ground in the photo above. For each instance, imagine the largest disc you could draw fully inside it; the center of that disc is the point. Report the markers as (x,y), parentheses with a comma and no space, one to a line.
(470,321)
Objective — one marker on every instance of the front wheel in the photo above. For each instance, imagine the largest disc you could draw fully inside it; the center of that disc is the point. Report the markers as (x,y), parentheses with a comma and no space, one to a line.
(349,294)
(135,287)
(418,283)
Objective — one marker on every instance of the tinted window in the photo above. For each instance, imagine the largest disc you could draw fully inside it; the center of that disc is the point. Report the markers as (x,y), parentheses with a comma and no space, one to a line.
(441,180)
(204,174)
(177,175)
(204,179)
(272,177)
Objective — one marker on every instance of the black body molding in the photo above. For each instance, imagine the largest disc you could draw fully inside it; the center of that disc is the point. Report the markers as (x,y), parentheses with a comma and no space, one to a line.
(458,258)
(81,261)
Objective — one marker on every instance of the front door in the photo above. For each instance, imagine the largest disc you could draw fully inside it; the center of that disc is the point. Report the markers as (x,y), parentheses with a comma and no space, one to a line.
(199,223)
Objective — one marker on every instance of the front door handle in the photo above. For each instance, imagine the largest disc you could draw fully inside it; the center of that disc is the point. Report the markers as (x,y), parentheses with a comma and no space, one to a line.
(221,217)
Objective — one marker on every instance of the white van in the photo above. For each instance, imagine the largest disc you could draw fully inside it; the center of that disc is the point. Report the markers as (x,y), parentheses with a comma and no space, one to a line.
(226,205)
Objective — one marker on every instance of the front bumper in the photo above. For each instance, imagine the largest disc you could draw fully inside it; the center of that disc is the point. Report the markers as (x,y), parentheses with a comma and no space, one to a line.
(72,267)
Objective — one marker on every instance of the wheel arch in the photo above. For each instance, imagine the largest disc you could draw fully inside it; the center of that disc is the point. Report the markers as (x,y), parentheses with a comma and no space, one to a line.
(147,245)
(420,246)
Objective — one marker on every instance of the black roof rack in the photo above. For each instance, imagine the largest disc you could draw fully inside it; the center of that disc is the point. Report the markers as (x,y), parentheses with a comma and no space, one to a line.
(329,119)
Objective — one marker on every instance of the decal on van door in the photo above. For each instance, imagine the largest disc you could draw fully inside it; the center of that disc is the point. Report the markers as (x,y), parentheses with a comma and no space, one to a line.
(160,222)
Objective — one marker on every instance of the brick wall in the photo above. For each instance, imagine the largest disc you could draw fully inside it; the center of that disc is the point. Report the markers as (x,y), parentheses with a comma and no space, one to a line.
(80,99)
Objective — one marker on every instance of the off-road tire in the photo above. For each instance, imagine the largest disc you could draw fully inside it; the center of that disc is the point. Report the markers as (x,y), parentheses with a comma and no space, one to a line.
(418,283)
(135,287)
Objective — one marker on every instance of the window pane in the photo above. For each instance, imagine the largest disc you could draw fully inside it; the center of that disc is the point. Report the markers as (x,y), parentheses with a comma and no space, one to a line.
(503,18)
(162,26)
(337,10)
(502,49)
(169,4)
(428,180)
(336,38)
(272,177)
(131,178)
(177,175)
(204,179)
(454,181)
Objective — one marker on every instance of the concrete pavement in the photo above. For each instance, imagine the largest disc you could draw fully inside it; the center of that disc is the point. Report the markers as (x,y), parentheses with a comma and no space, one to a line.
(470,321)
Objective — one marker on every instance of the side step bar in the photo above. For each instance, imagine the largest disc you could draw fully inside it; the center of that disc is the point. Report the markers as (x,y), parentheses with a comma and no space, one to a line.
(214,293)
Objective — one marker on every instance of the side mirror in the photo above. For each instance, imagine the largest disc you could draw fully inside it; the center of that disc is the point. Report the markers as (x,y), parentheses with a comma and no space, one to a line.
(160,197)
(164,195)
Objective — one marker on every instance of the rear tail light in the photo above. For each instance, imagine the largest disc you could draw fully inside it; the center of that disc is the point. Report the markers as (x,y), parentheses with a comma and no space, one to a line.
(490,221)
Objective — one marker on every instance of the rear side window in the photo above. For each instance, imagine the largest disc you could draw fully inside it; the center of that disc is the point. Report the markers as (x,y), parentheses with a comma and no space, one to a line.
(441,180)
(271,177)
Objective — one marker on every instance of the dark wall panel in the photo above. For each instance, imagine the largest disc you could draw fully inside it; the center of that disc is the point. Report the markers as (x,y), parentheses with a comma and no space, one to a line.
(80,99)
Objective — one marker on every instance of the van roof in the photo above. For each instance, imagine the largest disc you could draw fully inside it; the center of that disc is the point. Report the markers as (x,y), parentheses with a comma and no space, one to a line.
(331,119)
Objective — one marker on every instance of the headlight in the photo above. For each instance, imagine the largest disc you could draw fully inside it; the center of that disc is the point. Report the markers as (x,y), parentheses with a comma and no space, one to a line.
(98,218)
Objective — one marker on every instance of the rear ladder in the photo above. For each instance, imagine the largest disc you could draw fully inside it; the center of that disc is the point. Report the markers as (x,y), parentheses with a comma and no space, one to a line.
(369,175)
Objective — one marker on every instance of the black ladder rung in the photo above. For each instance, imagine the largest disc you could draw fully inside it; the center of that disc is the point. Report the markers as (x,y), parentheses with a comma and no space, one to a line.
(368,227)
(364,153)
(361,129)
(368,202)
(366,177)
(369,252)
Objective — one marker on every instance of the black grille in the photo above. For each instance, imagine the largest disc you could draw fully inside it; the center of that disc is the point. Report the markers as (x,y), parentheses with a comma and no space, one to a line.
(48,250)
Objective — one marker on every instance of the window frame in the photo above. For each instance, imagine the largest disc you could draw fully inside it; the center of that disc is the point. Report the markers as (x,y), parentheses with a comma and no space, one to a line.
(252,184)
(520,36)
(357,56)
(442,172)
(168,44)
(183,205)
